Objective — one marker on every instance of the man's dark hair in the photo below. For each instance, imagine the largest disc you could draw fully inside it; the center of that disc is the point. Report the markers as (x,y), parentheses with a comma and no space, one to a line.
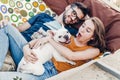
(81,6)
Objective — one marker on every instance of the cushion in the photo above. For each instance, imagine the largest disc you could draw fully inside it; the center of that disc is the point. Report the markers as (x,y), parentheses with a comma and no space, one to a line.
(110,18)
(9,64)
(19,11)
(55,5)
(58,6)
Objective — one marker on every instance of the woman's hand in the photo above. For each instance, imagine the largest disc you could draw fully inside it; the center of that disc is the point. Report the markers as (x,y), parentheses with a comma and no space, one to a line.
(40,42)
(29,55)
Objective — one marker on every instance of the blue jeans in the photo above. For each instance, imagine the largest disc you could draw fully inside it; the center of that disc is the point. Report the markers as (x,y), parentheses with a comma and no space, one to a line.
(49,71)
(11,38)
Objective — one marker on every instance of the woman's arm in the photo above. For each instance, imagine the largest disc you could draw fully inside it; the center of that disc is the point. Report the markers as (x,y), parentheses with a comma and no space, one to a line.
(79,55)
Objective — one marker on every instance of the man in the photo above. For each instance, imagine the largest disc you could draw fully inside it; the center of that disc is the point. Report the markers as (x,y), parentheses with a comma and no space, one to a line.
(72,15)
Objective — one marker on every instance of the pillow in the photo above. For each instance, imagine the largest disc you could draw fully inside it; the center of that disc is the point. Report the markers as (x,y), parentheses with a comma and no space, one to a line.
(110,18)
(57,6)
(19,11)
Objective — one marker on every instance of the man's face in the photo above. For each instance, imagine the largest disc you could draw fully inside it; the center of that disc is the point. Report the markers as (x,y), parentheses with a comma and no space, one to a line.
(72,15)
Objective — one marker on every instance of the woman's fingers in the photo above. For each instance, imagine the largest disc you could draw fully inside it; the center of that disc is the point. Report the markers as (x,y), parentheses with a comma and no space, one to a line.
(37,44)
(31,58)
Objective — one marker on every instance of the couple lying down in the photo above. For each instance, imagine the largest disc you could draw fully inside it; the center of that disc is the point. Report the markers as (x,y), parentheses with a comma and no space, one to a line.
(87,44)
(90,34)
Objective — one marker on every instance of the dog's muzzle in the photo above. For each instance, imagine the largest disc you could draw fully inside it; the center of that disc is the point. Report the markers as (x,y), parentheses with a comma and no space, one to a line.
(67,38)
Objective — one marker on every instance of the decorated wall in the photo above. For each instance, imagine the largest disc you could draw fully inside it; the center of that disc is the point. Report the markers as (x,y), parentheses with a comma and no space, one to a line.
(19,11)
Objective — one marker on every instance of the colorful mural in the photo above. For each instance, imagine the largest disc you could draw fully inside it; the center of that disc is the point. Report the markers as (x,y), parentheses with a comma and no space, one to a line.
(19,11)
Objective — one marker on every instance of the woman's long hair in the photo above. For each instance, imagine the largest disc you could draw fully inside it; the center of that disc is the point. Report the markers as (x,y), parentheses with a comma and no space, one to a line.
(99,34)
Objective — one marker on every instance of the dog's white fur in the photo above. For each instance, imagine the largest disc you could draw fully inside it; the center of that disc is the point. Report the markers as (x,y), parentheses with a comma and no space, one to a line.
(45,53)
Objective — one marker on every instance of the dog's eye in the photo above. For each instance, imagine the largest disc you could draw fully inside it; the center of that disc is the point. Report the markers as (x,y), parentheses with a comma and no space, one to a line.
(59,36)
(67,32)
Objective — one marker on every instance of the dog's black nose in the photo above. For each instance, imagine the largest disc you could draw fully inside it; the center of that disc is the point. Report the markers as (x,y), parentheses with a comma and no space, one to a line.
(66,37)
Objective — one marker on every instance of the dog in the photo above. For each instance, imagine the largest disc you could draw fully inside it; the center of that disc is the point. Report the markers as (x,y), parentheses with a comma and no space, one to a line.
(45,53)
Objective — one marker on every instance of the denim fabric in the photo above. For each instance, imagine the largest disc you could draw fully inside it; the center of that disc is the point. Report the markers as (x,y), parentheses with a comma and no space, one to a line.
(73,31)
(36,22)
(11,38)
(49,71)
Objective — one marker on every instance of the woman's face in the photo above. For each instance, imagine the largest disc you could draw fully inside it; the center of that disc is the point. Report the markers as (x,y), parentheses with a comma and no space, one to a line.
(86,31)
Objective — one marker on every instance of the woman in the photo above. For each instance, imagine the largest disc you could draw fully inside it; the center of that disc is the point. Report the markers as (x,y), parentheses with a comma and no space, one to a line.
(90,34)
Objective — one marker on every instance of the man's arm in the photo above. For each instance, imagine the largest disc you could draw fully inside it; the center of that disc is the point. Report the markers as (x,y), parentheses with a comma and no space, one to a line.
(23,27)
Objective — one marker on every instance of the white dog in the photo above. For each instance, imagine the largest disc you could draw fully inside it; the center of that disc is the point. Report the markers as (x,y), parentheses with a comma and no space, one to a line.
(45,53)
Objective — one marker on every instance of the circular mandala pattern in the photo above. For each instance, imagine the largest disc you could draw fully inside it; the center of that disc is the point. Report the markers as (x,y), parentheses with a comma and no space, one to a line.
(11,3)
(24,19)
(40,1)
(53,15)
(23,13)
(34,10)
(31,14)
(35,4)
(1,16)
(27,0)
(48,12)
(19,16)
(19,4)
(16,10)
(42,7)
(3,9)
(14,18)
(4,1)
(7,18)
(10,10)
(28,6)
